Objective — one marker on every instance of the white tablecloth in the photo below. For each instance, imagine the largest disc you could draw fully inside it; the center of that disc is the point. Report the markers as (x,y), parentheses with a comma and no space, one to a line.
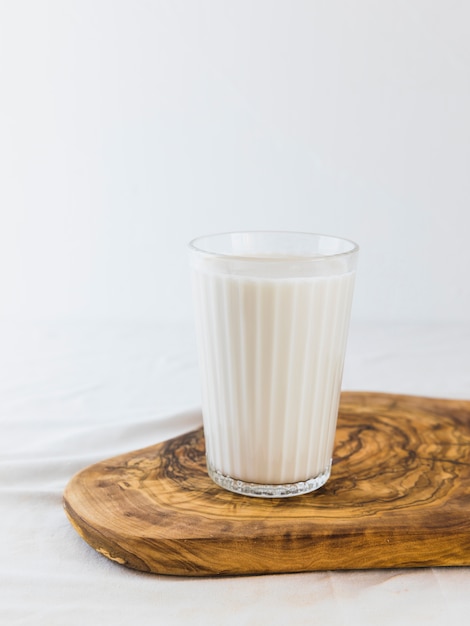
(72,394)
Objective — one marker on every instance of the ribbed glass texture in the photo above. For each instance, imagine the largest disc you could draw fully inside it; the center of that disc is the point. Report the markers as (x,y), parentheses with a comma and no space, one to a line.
(272,331)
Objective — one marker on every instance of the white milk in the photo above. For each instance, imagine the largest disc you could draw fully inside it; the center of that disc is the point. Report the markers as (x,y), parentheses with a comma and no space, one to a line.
(271,360)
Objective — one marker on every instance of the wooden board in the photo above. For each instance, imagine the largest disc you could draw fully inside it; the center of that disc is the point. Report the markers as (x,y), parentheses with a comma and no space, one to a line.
(398,496)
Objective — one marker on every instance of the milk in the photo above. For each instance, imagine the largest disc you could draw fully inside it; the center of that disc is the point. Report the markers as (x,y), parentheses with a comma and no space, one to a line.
(271,351)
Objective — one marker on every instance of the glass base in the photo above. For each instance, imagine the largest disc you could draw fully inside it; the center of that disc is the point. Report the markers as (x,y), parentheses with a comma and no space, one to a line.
(257,490)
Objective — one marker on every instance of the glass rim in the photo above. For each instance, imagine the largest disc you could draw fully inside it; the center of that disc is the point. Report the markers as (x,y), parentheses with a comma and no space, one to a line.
(307,258)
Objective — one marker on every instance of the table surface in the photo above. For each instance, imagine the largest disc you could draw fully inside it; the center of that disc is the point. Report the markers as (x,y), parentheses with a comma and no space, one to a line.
(72,394)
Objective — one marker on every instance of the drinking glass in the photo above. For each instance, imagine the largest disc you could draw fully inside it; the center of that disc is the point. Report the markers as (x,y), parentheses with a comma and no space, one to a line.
(272,313)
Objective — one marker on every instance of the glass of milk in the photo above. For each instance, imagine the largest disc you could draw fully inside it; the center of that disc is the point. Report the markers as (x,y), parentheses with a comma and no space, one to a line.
(272,314)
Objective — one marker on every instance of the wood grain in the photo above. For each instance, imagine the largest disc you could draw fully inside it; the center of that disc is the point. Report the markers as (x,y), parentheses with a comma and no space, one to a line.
(398,496)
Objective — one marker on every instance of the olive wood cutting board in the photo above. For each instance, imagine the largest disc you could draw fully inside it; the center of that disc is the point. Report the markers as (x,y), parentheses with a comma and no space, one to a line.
(398,496)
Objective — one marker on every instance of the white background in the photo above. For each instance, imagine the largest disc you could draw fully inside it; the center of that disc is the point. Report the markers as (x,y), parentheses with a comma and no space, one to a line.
(129,127)
(126,129)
